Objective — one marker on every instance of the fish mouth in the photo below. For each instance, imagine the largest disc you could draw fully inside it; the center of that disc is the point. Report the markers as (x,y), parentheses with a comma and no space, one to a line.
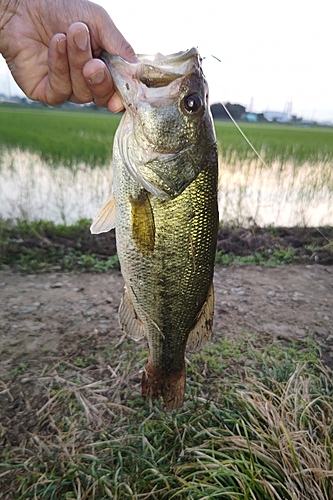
(153,71)
(168,62)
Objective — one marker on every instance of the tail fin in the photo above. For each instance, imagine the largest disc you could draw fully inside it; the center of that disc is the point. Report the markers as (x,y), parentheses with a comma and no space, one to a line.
(157,383)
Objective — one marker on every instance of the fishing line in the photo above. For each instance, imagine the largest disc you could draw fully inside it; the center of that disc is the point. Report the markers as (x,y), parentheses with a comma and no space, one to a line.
(243,134)
(237,126)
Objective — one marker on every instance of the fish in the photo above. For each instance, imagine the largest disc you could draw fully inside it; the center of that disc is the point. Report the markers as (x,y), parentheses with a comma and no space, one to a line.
(164,208)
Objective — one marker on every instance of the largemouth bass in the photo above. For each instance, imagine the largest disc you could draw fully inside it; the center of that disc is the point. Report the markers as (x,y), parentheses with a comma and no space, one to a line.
(165,211)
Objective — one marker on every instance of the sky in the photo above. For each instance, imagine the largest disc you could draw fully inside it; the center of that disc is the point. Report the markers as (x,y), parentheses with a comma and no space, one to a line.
(272,52)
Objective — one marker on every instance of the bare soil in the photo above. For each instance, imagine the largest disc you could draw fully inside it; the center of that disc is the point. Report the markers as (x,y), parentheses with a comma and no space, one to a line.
(46,319)
(46,315)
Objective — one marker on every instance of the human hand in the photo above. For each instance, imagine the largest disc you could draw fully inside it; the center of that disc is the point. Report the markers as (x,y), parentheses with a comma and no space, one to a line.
(53,58)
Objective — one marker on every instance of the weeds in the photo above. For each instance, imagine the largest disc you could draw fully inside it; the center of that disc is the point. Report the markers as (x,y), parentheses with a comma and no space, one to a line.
(254,438)
(275,143)
(43,246)
(266,257)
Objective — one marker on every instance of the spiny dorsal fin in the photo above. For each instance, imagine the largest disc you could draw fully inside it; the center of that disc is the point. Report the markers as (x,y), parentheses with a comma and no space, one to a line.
(128,318)
(106,218)
(202,330)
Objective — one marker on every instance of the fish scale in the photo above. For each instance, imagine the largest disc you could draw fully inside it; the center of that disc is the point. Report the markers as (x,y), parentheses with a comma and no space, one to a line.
(166,237)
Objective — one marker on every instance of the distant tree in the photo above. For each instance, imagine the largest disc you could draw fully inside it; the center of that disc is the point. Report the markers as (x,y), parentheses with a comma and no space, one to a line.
(295,119)
(219,112)
(236,110)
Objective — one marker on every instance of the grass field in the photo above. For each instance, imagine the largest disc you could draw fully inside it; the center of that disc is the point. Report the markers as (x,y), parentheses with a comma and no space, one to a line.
(59,136)
(71,137)
(276,142)
(261,435)
(293,186)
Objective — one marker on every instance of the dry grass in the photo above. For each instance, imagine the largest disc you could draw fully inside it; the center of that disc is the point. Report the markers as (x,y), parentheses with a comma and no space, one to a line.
(267,438)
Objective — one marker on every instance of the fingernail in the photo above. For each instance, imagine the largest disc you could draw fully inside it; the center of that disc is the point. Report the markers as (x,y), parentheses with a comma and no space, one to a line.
(97,77)
(62,45)
(81,39)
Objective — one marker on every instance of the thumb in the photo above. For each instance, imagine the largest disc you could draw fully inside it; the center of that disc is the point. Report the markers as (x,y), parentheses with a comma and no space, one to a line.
(106,36)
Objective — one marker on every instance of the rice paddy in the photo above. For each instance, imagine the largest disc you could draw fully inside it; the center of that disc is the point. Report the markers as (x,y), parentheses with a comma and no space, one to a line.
(56,165)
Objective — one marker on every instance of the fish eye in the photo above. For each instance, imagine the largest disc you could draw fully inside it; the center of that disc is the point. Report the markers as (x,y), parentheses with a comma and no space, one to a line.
(192,103)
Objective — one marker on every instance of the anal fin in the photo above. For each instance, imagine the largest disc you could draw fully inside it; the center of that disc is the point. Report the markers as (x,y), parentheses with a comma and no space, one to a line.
(128,318)
(202,329)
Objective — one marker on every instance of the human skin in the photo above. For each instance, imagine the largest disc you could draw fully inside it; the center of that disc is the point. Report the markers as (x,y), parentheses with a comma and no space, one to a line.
(52,47)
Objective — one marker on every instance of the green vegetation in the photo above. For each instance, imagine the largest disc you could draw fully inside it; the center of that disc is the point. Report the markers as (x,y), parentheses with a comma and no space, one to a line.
(296,178)
(43,246)
(266,257)
(256,425)
(70,137)
(66,137)
(279,143)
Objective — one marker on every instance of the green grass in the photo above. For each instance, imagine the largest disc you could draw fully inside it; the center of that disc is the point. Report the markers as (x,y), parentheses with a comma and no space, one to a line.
(70,137)
(266,257)
(59,136)
(258,427)
(280,143)
(42,246)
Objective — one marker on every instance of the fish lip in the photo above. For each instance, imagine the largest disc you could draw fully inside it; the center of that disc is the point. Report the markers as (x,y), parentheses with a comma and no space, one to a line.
(158,58)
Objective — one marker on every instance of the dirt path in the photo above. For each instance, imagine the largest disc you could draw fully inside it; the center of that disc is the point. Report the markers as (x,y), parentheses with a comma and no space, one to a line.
(46,315)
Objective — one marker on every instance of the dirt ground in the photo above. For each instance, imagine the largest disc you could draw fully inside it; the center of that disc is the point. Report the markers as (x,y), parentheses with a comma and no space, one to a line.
(45,315)
(48,320)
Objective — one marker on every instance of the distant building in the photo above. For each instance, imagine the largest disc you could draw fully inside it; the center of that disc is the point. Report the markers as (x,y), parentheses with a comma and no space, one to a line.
(250,117)
(276,116)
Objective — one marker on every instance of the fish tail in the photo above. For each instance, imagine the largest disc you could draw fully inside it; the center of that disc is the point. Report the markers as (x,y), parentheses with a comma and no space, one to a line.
(159,383)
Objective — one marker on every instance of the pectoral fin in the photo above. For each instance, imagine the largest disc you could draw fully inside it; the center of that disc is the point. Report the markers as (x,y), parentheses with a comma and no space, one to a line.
(105,219)
(128,318)
(143,224)
(202,330)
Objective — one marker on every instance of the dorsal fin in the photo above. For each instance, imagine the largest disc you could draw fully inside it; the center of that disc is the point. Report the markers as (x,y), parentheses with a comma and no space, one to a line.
(202,330)
(106,218)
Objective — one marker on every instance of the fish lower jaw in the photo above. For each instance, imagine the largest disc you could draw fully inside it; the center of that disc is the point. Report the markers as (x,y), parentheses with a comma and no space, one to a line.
(159,383)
